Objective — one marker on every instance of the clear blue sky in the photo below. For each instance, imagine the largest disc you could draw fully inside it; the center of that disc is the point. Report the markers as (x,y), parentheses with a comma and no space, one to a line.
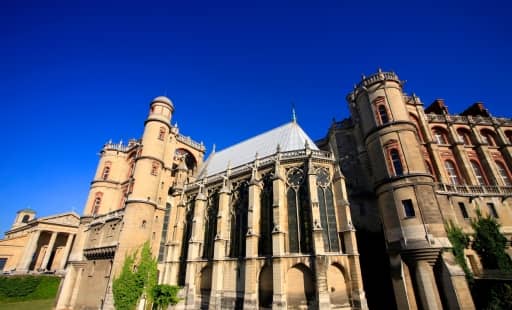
(74,74)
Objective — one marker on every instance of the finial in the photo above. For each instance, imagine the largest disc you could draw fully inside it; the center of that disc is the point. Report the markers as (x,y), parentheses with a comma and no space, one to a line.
(278,148)
(213,148)
(379,70)
(176,124)
(294,116)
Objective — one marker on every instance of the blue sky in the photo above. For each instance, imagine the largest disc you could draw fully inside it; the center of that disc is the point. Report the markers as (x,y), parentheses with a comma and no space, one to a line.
(74,74)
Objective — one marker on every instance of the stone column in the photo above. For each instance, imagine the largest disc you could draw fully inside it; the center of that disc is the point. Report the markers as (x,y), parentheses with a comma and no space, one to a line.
(49,250)
(402,284)
(172,259)
(67,249)
(194,248)
(278,241)
(220,249)
(251,250)
(28,254)
(427,288)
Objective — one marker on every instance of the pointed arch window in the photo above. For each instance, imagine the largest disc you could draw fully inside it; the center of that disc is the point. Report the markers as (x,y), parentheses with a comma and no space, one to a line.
(187,233)
(502,170)
(327,212)
(239,206)
(396,161)
(299,213)
(266,222)
(210,230)
(477,170)
(452,172)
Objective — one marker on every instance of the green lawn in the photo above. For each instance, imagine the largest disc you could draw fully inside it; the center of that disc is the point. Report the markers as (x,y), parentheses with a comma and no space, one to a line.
(42,304)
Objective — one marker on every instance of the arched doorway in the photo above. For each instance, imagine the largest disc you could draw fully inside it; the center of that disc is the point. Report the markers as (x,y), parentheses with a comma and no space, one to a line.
(301,289)
(337,286)
(205,287)
(265,287)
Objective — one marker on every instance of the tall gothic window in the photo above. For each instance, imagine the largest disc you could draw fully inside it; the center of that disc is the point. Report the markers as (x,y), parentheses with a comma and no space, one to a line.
(327,212)
(396,161)
(165,227)
(210,229)
(452,172)
(239,206)
(96,204)
(187,233)
(503,173)
(266,221)
(478,173)
(299,213)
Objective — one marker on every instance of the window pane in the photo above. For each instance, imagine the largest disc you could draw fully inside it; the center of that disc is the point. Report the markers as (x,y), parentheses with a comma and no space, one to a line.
(503,174)
(478,173)
(383,113)
(397,163)
(452,173)
(463,210)
(408,208)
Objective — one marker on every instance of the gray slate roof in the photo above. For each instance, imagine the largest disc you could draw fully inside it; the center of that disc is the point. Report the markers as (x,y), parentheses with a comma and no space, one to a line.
(289,137)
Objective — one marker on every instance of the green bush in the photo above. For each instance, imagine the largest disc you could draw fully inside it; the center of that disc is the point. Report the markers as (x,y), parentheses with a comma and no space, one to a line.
(460,241)
(165,295)
(23,288)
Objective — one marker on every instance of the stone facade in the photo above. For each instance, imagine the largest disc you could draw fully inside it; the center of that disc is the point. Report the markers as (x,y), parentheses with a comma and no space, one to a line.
(38,245)
(409,170)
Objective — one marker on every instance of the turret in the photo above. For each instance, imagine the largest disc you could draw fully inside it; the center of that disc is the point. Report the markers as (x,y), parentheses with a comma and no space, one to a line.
(23,217)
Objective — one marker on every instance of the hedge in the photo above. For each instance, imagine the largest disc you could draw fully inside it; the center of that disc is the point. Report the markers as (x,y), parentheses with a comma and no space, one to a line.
(24,288)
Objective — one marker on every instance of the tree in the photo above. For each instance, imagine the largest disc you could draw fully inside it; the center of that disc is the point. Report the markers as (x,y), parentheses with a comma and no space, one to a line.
(125,288)
(165,295)
(135,280)
(146,274)
(490,244)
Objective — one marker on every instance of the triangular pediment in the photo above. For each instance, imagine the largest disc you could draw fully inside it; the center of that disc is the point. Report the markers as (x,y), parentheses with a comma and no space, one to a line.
(68,219)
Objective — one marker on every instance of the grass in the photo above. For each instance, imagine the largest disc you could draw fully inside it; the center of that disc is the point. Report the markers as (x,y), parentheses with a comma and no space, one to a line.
(41,304)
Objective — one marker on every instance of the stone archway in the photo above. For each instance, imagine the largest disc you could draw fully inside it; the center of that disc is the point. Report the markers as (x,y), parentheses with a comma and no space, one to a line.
(205,286)
(265,287)
(337,286)
(300,292)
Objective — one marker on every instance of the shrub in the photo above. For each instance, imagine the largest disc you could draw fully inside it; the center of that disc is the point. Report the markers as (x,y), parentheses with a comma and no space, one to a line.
(165,295)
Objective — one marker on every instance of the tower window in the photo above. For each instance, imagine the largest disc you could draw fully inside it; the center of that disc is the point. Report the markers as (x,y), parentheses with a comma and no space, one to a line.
(154,168)
(96,205)
(143,224)
(492,210)
(161,134)
(463,210)
(106,171)
(478,173)
(396,161)
(383,114)
(503,173)
(452,172)
(408,208)
(25,218)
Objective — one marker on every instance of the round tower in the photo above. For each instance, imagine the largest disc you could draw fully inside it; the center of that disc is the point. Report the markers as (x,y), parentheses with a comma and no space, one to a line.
(410,213)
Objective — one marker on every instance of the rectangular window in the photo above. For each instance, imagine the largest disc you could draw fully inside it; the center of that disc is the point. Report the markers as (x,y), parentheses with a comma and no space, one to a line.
(408,208)
(463,210)
(492,210)
(3,261)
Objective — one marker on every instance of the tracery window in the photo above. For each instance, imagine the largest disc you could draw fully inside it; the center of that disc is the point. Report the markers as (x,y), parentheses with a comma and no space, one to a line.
(502,170)
(478,173)
(210,224)
(327,212)
(452,172)
(266,221)
(299,213)
(239,206)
